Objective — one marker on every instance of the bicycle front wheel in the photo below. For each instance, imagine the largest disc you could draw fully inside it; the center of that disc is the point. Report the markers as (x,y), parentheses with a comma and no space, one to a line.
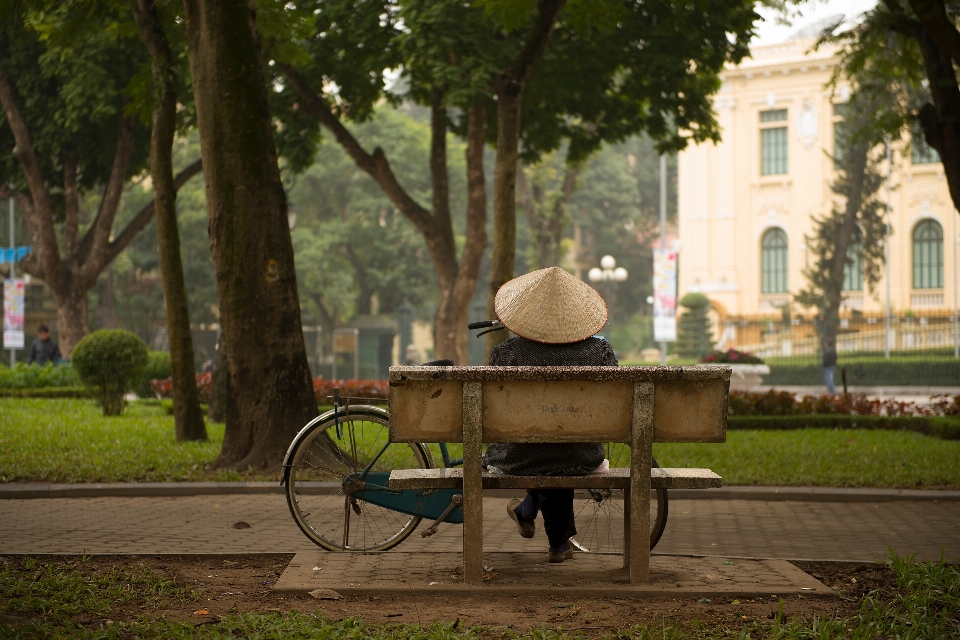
(599,512)
(322,486)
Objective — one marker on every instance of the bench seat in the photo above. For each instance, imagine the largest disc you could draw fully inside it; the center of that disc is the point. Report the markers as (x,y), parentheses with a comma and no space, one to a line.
(616,478)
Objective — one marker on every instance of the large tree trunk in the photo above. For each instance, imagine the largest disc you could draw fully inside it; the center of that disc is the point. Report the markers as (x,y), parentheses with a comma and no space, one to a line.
(187,415)
(72,322)
(508,88)
(249,237)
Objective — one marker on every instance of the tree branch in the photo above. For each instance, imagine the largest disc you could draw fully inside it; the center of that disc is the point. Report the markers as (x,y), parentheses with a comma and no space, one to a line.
(96,241)
(145,215)
(375,164)
(42,218)
(933,17)
(72,213)
(536,43)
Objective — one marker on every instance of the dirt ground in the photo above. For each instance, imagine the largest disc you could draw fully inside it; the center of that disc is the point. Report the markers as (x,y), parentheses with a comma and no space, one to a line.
(242,584)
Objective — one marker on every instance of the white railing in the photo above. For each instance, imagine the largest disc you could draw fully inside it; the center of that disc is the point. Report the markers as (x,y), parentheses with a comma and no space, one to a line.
(903,337)
(926,300)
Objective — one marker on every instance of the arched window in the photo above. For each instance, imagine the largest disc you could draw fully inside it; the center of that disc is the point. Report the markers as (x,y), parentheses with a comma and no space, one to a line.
(853,269)
(773,262)
(928,255)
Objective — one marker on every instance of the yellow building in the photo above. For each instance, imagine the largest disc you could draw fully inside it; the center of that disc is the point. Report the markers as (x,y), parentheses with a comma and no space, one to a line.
(746,204)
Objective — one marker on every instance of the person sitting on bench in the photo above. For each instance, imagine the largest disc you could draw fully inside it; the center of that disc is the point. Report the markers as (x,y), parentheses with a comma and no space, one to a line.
(555,316)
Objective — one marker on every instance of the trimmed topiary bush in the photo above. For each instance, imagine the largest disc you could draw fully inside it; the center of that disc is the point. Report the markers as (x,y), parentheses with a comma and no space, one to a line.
(694,339)
(110,362)
(158,368)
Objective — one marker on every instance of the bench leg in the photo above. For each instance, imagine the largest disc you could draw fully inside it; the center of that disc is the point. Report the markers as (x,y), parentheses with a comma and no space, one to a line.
(472,484)
(639,494)
(626,530)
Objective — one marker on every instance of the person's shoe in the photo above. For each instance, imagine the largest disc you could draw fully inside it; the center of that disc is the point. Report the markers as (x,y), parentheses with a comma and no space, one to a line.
(559,554)
(526,528)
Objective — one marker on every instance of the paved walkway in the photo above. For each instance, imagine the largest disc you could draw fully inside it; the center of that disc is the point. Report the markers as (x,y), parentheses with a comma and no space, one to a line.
(856,531)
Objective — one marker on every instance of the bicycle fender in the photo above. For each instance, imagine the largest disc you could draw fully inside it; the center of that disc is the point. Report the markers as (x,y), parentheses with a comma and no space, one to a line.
(308,430)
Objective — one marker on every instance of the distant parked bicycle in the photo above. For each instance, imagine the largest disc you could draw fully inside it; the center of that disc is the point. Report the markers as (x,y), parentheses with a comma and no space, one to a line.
(337,470)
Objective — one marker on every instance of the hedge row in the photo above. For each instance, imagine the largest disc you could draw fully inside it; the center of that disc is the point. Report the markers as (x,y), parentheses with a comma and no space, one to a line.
(939,427)
(881,372)
(47,392)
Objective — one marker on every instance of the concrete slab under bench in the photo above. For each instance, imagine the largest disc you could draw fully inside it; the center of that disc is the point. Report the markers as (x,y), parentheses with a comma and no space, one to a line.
(586,575)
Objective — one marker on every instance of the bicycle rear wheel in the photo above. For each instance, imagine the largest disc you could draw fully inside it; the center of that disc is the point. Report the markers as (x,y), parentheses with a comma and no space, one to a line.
(599,512)
(322,491)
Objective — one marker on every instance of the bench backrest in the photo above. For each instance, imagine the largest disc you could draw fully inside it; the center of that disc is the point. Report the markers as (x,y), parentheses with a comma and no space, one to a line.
(560,404)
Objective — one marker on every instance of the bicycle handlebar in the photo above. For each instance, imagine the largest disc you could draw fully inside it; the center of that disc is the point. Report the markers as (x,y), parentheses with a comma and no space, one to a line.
(483,324)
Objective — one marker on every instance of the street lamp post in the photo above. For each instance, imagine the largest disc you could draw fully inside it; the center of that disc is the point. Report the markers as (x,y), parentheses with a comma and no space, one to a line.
(608,271)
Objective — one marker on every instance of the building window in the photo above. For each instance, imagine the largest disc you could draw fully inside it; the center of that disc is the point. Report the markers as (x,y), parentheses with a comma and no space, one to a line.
(853,268)
(773,262)
(928,255)
(921,152)
(773,142)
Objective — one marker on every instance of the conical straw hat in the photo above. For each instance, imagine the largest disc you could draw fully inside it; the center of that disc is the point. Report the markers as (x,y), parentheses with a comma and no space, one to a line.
(550,305)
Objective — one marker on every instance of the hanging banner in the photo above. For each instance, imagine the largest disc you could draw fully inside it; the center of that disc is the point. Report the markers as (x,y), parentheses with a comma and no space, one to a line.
(664,295)
(13,290)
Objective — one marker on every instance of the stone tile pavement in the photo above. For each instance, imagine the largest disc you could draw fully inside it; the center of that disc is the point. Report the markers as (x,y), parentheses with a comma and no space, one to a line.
(855,531)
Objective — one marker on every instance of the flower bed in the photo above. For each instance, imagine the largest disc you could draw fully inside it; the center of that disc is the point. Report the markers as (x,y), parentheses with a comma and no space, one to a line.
(322,388)
(784,403)
(730,356)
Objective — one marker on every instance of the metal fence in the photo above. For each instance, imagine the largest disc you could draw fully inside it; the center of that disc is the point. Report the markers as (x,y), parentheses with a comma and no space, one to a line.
(906,349)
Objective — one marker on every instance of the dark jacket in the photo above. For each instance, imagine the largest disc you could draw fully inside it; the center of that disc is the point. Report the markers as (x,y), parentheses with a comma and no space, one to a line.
(552,458)
(44,351)
(829,356)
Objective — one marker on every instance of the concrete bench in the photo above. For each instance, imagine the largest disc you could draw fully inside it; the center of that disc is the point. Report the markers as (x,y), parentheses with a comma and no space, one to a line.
(634,405)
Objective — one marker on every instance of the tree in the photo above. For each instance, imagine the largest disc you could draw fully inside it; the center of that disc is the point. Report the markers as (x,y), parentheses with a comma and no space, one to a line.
(906,54)
(188,418)
(545,190)
(853,232)
(269,380)
(353,246)
(694,338)
(348,48)
(77,136)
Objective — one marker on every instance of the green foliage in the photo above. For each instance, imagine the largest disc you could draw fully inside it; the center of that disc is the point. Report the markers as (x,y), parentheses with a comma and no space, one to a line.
(111,361)
(694,337)
(35,376)
(73,86)
(158,368)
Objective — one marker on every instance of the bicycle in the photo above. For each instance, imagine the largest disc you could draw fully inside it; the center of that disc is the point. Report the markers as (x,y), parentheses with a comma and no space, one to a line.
(337,469)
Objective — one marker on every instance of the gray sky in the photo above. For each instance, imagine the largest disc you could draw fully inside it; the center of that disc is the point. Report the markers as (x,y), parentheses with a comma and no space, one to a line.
(771,33)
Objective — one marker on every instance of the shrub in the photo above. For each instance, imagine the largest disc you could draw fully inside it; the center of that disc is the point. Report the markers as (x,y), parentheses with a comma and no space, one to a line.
(322,388)
(693,329)
(158,367)
(111,362)
(943,428)
(731,356)
(35,376)
(868,372)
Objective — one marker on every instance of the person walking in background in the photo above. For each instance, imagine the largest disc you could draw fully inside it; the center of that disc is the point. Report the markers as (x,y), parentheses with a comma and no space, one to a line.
(44,349)
(829,364)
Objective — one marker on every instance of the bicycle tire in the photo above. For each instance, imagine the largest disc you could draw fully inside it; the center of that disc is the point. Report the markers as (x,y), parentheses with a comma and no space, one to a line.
(599,513)
(318,497)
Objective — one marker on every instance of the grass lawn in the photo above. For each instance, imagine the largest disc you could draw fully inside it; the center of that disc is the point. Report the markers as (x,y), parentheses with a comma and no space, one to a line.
(68,440)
